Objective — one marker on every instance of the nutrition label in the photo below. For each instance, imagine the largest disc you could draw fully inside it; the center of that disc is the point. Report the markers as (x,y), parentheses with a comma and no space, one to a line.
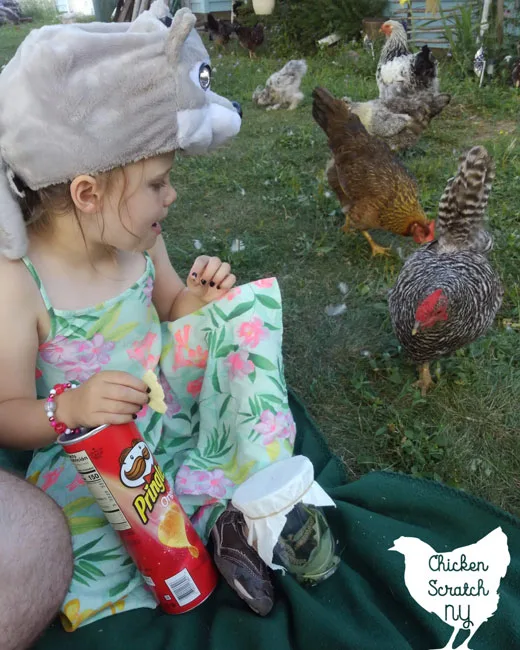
(99,490)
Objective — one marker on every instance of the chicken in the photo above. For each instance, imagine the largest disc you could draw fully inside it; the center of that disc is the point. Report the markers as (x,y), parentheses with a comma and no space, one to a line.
(220,31)
(283,87)
(374,189)
(399,121)
(250,37)
(447,293)
(460,586)
(401,73)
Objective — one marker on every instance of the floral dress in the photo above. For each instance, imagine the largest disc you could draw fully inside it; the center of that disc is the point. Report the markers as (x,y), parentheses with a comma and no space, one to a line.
(227,416)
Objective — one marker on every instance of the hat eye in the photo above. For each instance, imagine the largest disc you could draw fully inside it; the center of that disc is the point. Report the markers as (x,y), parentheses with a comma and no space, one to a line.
(205,76)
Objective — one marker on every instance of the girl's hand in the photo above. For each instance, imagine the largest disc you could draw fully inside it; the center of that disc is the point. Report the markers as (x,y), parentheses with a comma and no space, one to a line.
(108,397)
(210,278)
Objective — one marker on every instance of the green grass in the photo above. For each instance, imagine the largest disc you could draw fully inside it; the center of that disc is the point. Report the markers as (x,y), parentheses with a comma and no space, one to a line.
(267,189)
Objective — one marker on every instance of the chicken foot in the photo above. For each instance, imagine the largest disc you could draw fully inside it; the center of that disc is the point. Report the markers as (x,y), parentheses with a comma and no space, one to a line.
(425,381)
(376,248)
(449,645)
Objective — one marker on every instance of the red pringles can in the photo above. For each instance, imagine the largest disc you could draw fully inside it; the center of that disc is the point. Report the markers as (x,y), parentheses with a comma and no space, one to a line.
(137,500)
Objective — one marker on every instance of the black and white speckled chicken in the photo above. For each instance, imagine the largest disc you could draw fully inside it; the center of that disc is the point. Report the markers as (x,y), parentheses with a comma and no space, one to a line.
(447,293)
(399,72)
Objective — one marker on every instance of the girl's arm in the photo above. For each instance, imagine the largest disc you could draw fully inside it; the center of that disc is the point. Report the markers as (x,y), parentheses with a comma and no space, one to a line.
(209,280)
(23,422)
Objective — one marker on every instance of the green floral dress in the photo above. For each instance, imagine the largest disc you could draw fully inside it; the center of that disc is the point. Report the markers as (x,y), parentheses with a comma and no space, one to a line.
(228,416)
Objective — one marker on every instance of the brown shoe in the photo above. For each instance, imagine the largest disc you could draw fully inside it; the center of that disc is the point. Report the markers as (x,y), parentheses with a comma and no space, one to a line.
(245,572)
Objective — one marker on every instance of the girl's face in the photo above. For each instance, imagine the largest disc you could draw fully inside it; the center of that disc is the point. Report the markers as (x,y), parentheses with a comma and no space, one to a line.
(137,203)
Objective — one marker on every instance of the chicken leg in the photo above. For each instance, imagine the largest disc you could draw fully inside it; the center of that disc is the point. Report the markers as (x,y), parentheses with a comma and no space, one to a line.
(425,379)
(449,645)
(376,248)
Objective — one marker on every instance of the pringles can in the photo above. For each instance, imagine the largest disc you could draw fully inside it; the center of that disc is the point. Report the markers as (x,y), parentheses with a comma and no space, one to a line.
(137,500)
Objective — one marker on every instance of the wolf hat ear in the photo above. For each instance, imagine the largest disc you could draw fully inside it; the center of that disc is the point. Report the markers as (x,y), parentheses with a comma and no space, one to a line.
(13,236)
(183,22)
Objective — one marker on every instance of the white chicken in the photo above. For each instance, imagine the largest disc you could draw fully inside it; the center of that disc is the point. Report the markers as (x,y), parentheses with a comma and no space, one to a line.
(399,72)
(461,586)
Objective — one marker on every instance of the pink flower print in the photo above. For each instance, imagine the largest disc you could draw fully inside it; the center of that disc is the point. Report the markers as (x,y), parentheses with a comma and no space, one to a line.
(194,387)
(148,290)
(218,484)
(53,352)
(142,352)
(190,481)
(235,291)
(172,403)
(75,483)
(198,357)
(252,332)
(239,365)
(213,483)
(94,351)
(271,426)
(51,477)
(142,412)
(289,430)
(264,283)
(38,374)
(182,336)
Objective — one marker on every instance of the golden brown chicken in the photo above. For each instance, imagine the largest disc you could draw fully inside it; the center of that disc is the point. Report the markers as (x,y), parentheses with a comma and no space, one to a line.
(374,189)
(250,37)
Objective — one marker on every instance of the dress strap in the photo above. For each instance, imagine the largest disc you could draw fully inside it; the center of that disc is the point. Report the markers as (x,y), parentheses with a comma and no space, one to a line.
(41,288)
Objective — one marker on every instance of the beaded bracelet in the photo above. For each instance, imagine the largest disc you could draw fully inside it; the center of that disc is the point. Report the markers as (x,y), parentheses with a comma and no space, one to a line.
(50,408)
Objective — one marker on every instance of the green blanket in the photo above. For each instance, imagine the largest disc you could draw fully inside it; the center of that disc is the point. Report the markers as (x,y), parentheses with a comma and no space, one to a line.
(365,605)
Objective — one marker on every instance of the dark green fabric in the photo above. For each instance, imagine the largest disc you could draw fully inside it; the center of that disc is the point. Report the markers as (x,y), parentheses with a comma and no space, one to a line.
(364,606)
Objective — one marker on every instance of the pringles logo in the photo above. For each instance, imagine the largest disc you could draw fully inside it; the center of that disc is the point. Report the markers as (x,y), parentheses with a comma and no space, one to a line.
(138,469)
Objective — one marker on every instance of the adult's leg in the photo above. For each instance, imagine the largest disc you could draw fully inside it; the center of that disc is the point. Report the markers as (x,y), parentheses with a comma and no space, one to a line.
(35,561)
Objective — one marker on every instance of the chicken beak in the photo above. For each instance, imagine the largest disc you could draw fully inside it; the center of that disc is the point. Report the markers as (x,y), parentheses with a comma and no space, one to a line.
(392,548)
(415,328)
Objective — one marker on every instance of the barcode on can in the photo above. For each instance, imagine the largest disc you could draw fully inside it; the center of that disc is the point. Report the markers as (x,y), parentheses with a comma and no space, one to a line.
(183,588)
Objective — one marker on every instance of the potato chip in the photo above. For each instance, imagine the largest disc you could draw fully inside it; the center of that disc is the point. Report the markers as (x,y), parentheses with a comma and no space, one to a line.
(156,402)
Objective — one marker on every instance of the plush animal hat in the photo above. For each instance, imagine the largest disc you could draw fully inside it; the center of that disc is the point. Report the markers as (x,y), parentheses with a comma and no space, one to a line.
(86,98)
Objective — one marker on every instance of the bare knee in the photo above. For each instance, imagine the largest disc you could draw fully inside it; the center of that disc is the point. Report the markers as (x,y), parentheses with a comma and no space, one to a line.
(35,561)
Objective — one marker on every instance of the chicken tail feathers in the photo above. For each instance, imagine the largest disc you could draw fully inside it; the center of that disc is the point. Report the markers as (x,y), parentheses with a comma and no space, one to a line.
(424,66)
(335,117)
(460,222)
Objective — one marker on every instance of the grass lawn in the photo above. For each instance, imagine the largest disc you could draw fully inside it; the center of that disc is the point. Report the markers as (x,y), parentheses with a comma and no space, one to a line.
(268,190)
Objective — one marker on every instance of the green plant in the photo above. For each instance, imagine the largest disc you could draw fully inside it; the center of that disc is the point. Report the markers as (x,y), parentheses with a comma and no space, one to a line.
(299,24)
(41,11)
(461,29)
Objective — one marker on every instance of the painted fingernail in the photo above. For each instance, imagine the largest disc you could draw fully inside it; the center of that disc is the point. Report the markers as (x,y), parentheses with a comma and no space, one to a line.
(212,284)
(193,275)
(148,390)
(218,287)
(134,416)
(203,281)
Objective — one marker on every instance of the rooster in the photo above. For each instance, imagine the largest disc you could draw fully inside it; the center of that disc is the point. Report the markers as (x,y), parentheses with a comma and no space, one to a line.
(374,189)
(399,121)
(447,294)
(401,73)
(447,584)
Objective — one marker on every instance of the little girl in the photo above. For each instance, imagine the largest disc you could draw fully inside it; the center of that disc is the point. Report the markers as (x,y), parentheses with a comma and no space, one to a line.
(90,117)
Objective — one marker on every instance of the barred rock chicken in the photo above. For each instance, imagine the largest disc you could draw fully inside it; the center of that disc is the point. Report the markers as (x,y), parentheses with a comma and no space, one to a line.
(401,73)
(250,37)
(374,189)
(400,121)
(220,31)
(447,294)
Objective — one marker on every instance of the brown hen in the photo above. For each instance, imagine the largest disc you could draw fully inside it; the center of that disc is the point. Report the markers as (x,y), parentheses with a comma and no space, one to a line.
(250,37)
(374,189)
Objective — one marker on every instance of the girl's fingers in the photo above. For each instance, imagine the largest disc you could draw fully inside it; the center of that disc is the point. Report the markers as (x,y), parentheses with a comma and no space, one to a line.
(198,268)
(221,274)
(227,283)
(212,267)
(118,393)
(120,408)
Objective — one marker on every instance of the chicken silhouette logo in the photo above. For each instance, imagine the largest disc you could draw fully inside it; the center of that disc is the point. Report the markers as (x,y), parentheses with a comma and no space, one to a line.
(136,464)
(460,587)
